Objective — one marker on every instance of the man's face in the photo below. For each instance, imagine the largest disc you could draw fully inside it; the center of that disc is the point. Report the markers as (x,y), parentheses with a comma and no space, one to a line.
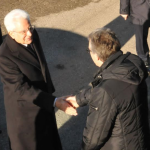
(94,56)
(21,33)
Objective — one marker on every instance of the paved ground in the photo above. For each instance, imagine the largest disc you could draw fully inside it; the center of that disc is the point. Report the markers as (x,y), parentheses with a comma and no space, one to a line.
(37,8)
(63,27)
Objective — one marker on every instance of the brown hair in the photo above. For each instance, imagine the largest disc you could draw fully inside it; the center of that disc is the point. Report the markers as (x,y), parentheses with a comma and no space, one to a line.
(104,43)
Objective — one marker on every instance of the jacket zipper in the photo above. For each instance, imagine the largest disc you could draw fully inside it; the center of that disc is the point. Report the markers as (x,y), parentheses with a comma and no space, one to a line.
(96,108)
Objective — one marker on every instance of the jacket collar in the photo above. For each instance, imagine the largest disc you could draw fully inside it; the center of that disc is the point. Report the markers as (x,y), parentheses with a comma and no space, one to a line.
(108,62)
(111,59)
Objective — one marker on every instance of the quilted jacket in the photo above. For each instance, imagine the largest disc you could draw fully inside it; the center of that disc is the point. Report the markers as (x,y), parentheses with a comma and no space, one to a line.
(118,111)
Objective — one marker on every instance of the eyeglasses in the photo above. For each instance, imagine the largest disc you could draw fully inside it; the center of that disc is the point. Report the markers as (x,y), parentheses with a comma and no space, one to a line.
(88,50)
(31,28)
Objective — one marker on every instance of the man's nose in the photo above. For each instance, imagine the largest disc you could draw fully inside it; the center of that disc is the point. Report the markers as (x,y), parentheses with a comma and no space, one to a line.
(29,33)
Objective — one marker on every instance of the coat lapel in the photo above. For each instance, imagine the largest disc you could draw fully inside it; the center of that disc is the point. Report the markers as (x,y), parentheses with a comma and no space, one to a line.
(39,51)
(44,68)
(22,53)
(28,57)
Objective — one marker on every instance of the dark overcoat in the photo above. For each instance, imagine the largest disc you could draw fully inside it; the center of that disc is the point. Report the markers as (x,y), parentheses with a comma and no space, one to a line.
(138,10)
(28,96)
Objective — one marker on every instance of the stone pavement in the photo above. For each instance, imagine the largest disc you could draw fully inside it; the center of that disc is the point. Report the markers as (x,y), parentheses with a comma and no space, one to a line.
(63,27)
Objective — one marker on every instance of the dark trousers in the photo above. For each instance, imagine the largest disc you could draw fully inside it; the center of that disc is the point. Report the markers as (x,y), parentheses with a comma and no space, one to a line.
(1,39)
(141,33)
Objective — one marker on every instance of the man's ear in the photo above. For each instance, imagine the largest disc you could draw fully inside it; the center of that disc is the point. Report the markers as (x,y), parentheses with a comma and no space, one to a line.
(11,34)
(99,59)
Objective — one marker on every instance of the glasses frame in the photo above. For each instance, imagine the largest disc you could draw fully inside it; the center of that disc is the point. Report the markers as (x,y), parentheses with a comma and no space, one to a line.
(88,50)
(31,28)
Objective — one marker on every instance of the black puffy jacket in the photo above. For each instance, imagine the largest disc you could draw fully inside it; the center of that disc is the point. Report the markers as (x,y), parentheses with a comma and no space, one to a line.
(139,10)
(118,109)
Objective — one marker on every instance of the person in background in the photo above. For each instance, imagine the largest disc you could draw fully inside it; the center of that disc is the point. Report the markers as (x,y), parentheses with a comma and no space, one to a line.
(139,11)
(27,85)
(118,108)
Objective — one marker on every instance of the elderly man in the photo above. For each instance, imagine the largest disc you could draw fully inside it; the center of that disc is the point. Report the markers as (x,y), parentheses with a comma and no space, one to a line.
(118,110)
(28,88)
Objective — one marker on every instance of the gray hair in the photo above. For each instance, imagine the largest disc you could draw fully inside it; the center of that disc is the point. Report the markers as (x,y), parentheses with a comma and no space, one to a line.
(104,43)
(9,20)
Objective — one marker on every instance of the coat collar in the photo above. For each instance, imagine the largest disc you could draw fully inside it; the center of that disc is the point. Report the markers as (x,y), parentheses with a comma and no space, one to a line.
(22,52)
(39,51)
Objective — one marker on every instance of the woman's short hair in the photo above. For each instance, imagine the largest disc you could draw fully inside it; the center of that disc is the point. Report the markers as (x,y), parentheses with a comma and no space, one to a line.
(10,18)
(104,43)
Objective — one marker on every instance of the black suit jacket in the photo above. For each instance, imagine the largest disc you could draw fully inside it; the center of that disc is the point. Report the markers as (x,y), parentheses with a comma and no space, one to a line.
(28,96)
(139,10)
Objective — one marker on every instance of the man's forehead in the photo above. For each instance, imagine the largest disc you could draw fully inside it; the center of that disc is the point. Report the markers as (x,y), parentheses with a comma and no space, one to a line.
(21,23)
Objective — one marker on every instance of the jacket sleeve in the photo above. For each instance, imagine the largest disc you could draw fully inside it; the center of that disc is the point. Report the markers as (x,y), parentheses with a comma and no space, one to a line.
(100,120)
(19,87)
(84,96)
(125,7)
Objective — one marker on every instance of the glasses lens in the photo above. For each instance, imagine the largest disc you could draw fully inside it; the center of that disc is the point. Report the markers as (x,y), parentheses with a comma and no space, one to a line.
(31,28)
(88,50)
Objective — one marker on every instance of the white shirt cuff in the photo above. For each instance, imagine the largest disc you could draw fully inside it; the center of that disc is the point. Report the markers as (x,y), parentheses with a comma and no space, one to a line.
(54,102)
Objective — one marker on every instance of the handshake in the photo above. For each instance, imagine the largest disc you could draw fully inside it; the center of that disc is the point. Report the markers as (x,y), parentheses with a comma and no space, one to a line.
(67,104)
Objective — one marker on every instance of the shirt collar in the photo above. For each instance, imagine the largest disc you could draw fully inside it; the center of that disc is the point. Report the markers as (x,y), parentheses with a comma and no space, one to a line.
(25,45)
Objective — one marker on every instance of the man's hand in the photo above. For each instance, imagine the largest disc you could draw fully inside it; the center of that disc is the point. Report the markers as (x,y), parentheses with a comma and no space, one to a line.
(65,106)
(125,16)
(72,101)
